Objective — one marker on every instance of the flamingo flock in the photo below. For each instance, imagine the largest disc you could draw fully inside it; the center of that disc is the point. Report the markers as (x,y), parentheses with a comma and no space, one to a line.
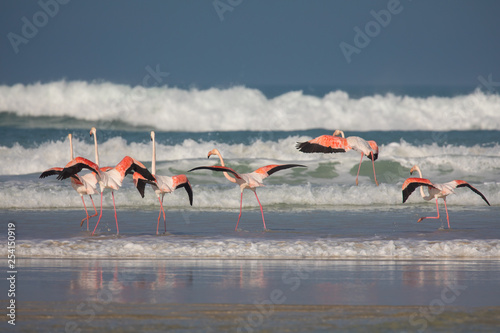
(111,178)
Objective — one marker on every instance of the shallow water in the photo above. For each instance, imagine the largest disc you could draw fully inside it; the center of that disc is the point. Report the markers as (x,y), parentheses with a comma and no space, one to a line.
(244,295)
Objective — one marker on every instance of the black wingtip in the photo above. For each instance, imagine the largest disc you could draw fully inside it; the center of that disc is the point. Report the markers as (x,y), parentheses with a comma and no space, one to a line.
(188,189)
(307,147)
(141,186)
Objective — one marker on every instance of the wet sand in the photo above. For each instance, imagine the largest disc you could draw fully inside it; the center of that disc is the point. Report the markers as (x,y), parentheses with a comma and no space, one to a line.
(140,317)
(123,295)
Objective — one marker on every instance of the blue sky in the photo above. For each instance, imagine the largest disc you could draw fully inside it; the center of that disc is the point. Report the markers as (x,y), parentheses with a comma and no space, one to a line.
(250,42)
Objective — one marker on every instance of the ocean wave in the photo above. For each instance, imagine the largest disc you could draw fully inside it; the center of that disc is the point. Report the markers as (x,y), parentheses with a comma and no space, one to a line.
(395,159)
(217,193)
(231,248)
(241,108)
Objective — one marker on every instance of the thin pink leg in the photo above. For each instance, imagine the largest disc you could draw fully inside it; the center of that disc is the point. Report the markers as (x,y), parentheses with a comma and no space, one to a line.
(93,205)
(261,210)
(241,203)
(431,217)
(374,175)
(116,217)
(163,210)
(99,219)
(159,215)
(86,213)
(447,218)
(359,168)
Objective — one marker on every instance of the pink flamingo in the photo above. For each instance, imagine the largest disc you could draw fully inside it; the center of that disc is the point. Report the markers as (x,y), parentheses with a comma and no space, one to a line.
(109,177)
(83,185)
(335,144)
(435,191)
(247,180)
(162,184)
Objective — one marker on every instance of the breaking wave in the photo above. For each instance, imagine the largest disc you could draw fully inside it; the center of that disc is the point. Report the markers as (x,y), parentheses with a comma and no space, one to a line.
(241,108)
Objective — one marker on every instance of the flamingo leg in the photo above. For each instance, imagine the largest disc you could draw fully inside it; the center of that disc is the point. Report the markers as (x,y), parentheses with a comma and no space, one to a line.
(93,205)
(239,216)
(261,210)
(374,175)
(431,217)
(159,215)
(447,217)
(359,168)
(99,219)
(116,217)
(85,218)
(163,210)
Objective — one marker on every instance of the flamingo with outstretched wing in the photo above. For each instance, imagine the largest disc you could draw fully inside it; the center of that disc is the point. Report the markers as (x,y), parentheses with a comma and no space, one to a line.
(249,181)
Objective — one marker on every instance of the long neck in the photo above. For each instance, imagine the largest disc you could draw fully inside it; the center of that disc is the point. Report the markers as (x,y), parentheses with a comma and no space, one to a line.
(153,159)
(71,146)
(421,188)
(339,132)
(231,179)
(96,151)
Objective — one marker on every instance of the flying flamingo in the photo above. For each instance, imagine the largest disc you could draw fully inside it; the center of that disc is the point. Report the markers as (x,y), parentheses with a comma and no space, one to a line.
(247,180)
(335,144)
(162,185)
(111,178)
(435,191)
(83,185)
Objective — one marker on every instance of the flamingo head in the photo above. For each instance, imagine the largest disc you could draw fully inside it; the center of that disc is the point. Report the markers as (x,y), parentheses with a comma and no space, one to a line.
(152,135)
(214,151)
(93,131)
(338,132)
(414,168)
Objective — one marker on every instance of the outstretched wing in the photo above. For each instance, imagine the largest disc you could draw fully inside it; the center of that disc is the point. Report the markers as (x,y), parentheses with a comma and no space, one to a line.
(140,182)
(129,165)
(75,166)
(218,168)
(462,183)
(411,184)
(51,172)
(270,169)
(324,144)
(180,181)
(57,171)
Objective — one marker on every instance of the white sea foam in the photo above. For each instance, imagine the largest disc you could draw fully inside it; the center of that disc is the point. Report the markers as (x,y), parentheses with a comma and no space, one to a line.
(220,194)
(449,159)
(155,247)
(241,108)
(328,179)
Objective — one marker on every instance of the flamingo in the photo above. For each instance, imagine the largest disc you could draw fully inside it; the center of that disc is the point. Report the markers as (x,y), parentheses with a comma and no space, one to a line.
(435,191)
(83,185)
(247,180)
(162,184)
(109,177)
(335,144)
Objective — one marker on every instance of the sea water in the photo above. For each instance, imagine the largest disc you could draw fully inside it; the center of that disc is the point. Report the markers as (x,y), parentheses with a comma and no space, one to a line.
(313,212)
